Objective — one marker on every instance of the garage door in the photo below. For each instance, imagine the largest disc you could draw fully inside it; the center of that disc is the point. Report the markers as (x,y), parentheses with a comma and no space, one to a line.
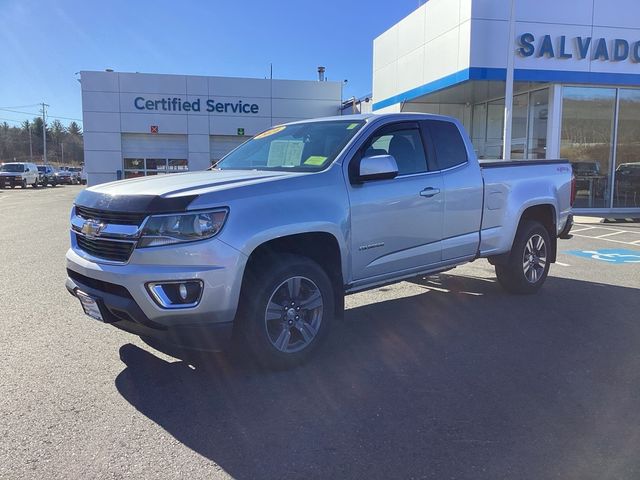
(144,154)
(220,145)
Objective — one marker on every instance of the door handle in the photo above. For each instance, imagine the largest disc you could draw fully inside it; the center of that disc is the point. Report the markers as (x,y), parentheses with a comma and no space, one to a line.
(430,192)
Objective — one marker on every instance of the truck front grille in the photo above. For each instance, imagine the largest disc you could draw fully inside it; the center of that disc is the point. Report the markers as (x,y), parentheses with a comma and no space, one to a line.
(114,250)
(104,216)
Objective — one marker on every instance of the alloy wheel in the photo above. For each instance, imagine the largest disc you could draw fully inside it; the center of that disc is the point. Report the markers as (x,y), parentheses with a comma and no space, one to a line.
(534,259)
(294,314)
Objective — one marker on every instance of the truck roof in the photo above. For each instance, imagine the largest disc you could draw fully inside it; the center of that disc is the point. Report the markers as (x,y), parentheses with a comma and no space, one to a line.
(369,116)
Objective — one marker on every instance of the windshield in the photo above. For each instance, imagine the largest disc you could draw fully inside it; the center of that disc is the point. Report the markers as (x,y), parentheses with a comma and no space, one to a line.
(42,169)
(301,147)
(12,167)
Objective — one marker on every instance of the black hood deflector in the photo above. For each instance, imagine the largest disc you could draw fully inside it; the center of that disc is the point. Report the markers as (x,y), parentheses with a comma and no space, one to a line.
(134,203)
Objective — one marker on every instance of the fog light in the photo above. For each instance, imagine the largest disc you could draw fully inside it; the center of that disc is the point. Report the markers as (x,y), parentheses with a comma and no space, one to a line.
(176,294)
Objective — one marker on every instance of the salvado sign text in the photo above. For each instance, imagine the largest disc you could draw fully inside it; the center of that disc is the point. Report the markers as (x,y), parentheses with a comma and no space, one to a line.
(177,104)
(617,50)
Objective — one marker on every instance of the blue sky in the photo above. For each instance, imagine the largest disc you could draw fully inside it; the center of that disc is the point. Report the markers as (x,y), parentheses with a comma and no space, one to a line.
(43,43)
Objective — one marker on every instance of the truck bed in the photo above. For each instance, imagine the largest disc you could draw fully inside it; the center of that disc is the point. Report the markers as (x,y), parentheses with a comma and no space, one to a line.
(510,187)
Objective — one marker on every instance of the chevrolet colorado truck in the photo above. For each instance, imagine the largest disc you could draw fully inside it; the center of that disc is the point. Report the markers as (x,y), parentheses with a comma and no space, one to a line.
(265,245)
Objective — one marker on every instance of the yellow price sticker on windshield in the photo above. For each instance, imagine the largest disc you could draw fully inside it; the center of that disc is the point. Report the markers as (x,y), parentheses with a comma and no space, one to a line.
(271,131)
(351,126)
(315,160)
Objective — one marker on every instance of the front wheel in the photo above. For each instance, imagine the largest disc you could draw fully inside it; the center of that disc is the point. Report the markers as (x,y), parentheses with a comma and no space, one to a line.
(23,184)
(528,264)
(286,309)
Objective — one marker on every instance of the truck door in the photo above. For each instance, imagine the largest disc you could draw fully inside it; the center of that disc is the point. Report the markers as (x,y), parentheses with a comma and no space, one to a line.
(463,190)
(396,224)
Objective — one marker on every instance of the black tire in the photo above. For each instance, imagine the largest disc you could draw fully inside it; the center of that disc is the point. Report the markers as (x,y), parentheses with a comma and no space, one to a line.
(35,184)
(261,285)
(526,270)
(23,184)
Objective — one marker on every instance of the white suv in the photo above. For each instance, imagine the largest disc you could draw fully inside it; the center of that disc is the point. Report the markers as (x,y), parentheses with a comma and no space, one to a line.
(18,173)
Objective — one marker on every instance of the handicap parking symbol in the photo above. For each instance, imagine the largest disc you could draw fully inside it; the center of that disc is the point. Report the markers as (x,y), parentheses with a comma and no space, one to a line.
(609,255)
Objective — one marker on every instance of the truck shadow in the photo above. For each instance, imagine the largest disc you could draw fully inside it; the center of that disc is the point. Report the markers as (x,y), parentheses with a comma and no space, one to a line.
(459,381)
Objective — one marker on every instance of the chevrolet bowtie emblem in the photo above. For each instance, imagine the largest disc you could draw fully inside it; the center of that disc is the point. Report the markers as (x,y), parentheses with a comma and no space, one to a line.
(92,228)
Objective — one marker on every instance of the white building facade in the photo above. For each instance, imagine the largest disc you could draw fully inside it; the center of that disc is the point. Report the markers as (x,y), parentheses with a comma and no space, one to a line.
(145,124)
(576,91)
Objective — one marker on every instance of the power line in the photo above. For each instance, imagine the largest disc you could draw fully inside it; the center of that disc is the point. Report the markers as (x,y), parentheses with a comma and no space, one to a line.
(40,114)
(11,120)
(18,111)
(66,118)
(22,106)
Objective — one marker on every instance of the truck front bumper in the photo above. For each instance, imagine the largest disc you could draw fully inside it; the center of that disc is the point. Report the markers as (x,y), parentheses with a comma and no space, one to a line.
(125,301)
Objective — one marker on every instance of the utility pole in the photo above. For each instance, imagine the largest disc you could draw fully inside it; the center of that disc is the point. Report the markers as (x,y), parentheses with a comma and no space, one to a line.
(62,152)
(30,145)
(44,132)
(508,91)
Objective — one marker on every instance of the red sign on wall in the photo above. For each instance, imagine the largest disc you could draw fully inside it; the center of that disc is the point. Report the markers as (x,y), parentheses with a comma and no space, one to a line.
(154,128)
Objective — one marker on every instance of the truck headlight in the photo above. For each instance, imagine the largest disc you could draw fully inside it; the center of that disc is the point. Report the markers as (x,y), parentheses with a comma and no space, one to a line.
(181,227)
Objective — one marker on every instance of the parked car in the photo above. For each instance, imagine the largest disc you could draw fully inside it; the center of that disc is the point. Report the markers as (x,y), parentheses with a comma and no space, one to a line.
(47,175)
(267,244)
(589,179)
(65,177)
(18,174)
(80,174)
(628,184)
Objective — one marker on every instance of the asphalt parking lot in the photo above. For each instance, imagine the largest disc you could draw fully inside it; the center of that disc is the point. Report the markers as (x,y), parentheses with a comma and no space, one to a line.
(446,377)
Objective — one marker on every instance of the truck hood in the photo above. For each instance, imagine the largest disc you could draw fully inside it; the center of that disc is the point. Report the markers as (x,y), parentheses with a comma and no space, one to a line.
(168,193)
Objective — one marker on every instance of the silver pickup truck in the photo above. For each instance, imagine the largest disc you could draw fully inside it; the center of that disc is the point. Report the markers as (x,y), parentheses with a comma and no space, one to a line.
(264,246)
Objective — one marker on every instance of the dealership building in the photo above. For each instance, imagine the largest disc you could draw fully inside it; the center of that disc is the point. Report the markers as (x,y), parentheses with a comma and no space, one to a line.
(576,95)
(143,124)
(576,91)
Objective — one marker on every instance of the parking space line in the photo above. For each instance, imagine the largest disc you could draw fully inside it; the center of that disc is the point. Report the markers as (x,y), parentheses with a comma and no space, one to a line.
(634,243)
(582,229)
(610,234)
(603,228)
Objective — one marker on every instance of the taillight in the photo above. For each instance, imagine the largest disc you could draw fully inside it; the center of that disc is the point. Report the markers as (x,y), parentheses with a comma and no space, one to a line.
(573,189)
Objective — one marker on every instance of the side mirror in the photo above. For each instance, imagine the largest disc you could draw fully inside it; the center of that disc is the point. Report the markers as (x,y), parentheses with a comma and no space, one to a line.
(377,167)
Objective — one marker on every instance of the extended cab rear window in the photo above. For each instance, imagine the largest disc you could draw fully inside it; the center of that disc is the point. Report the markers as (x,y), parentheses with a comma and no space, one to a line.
(447,143)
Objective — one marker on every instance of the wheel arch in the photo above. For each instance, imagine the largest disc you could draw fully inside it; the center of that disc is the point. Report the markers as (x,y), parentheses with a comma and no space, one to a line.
(319,246)
(546,214)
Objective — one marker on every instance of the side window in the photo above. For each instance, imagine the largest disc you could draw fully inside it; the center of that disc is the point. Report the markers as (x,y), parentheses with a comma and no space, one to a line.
(404,144)
(447,142)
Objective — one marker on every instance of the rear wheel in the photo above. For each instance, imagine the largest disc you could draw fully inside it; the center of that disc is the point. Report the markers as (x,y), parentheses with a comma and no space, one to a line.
(528,264)
(286,310)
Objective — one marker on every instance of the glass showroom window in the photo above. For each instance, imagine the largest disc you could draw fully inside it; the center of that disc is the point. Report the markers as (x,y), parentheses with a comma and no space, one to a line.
(139,167)
(520,117)
(495,129)
(479,129)
(537,126)
(587,140)
(528,130)
(626,193)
